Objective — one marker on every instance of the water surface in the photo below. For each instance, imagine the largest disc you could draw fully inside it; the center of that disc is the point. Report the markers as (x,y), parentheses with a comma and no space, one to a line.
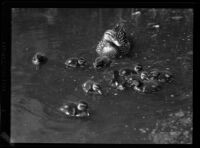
(127,117)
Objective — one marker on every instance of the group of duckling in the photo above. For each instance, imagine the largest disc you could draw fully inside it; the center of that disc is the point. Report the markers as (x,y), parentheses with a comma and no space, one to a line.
(113,45)
(138,79)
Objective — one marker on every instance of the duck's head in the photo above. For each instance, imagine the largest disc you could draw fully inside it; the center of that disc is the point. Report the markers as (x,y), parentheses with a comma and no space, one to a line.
(69,109)
(97,88)
(144,75)
(39,58)
(71,62)
(110,35)
(82,61)
(82,106)
(35,60)
(138,68)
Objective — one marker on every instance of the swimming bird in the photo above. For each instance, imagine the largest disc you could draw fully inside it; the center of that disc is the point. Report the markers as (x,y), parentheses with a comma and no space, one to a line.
(114,43)
(38,59)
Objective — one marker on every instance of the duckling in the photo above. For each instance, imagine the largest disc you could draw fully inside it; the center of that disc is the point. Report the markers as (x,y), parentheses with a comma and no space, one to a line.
(39,59)
(138,87)
(82,109)
(102,62)
(82,61)
(72,62)
(154,74)
(126,71)
(138,68)
(151,86)
(144,75)
(117,81)
(132,81)
(165,76)
(92,87)
(75,62)
(70,109)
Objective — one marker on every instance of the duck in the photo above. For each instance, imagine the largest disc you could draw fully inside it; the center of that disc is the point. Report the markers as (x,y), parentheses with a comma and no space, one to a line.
(115,80)
(39,59)
(151,86)
(82,109)
(70,109)
(76,109)
(132,81)
(82,61)
(165,77)
(107,48)
(72,62)
(102,62)
(126,71)
(92,87)
(121,39)
(114,43)
(75,62)
(154,74)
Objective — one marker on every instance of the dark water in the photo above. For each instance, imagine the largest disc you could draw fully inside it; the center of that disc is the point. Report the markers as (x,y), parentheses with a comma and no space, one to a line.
(63,33)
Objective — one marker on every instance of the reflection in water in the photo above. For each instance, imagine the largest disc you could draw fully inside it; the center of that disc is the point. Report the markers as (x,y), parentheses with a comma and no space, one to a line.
(63,33)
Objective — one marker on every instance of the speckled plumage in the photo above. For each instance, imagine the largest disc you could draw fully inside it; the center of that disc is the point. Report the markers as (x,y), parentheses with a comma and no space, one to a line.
(114,43)
(107,48)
